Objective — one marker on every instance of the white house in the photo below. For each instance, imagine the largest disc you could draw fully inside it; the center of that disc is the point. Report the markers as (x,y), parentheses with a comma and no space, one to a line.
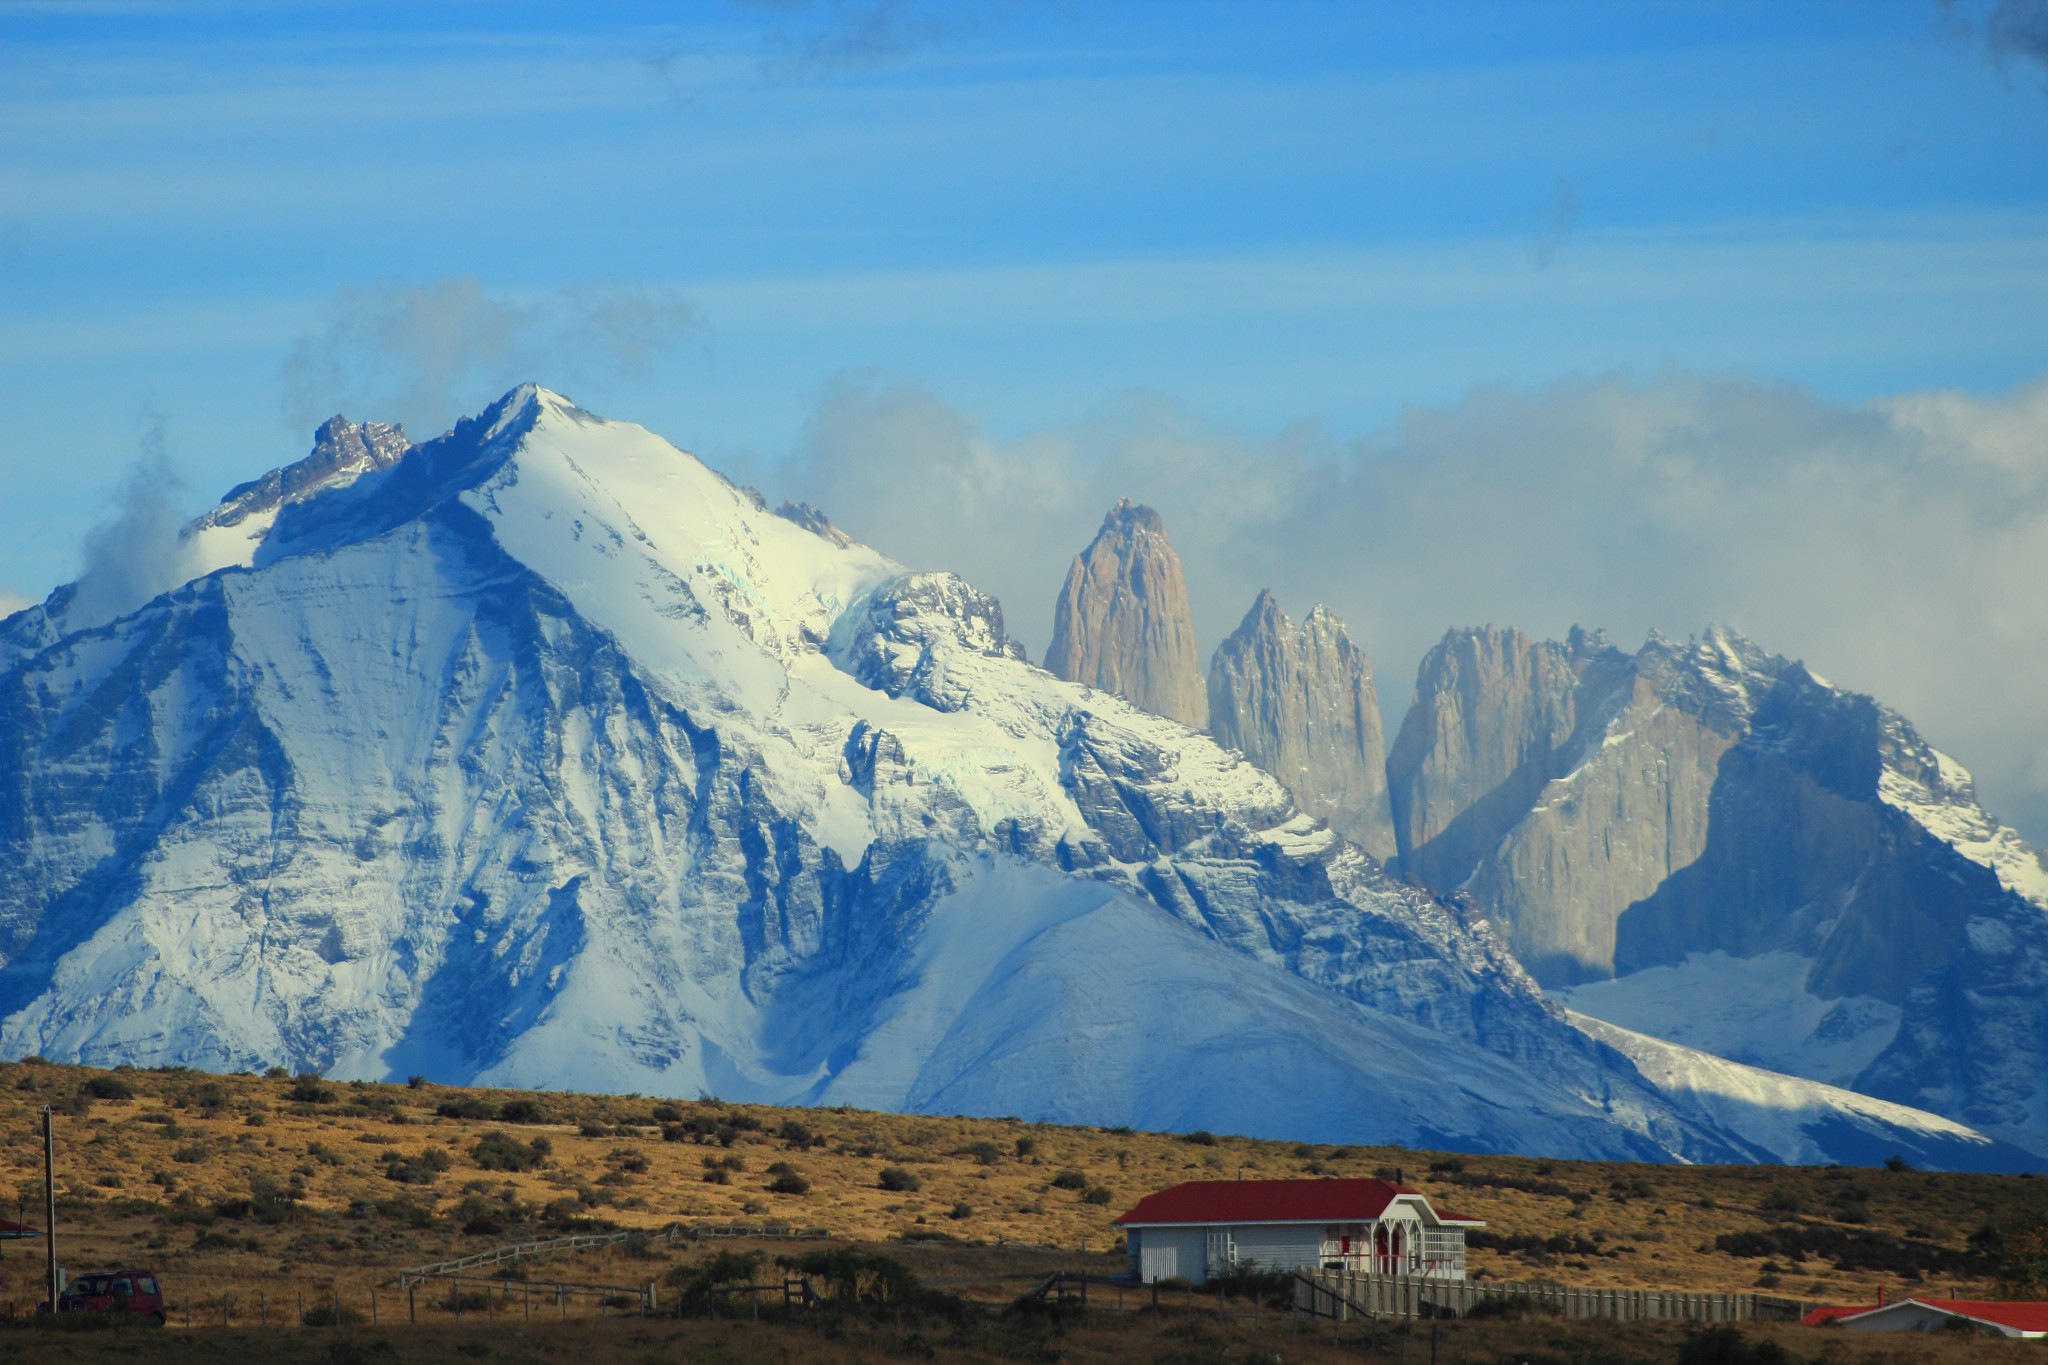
(1206,1227)
(2011,1319)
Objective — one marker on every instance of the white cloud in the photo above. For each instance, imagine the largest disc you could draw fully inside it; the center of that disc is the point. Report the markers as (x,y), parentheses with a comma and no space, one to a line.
(426,354)
(12,602)
(1898,547)
(136,552)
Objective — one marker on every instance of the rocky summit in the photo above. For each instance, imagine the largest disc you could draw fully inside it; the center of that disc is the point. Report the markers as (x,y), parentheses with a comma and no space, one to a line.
(1122,621)
(1299,702)
(543,754)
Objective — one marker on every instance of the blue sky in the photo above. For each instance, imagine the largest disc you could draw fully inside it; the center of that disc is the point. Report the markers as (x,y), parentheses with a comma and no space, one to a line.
(1291,226)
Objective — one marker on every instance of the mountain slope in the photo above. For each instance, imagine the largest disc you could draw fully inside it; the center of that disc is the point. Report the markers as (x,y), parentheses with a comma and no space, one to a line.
(1798,879)
(545,754)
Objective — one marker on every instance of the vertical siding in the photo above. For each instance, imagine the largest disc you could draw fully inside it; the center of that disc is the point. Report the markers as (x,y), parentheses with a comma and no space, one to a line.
(1281,1247)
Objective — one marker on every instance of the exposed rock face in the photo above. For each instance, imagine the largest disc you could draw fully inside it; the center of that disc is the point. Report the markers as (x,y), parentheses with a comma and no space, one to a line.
(1696,807)
(1122,623)
(342,451)
(1492,711)
(1299,702)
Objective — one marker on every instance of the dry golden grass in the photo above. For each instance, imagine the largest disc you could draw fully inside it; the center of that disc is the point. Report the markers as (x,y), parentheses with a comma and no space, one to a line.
(152,1179)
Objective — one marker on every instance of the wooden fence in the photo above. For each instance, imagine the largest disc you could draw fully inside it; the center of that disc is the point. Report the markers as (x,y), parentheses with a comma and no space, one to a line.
(671,1234)
(1344,1295)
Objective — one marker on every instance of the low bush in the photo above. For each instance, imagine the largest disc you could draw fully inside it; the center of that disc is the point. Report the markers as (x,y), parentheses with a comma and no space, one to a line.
(422,1169)
(467,1107)
(1727,1346)
(898,1181)
(496,1151)
(306,1089)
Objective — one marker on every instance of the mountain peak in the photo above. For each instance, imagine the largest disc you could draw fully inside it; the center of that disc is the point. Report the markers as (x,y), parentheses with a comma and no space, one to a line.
(1131,518)
(1299,702)
(1123,623)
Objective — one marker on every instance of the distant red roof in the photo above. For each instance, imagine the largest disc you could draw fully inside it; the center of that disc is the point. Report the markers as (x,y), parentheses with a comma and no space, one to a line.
(2019,1316)
(1277,1201)
(1835,1312)
(9,1228)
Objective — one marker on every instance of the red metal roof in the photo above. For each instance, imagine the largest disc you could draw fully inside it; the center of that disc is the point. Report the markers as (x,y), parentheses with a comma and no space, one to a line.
(1275,1201)
(1834,1312)
(2020,1316)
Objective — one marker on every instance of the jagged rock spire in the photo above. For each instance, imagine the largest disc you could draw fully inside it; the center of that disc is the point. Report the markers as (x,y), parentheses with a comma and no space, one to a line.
(1299,702)
(1122,622)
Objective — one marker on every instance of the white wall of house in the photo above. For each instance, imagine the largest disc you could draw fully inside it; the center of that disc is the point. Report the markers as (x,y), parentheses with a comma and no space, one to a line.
(1913,1317)
(1164,1253)
(1278,1246)
(1193,1251)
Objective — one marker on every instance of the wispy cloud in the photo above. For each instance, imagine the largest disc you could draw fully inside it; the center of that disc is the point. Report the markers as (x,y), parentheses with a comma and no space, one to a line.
(1898,547)
(135,553)
(823,35)
(425,353)
(2014,32)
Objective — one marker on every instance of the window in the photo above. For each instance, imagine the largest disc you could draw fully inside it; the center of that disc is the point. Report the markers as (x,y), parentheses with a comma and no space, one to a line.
(123,1288)
(148,1284)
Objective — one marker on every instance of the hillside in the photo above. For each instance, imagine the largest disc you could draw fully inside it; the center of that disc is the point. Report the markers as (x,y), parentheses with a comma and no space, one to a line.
(245,1184)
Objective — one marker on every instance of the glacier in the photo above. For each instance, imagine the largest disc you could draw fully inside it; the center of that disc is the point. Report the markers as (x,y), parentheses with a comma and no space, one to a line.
(543,754)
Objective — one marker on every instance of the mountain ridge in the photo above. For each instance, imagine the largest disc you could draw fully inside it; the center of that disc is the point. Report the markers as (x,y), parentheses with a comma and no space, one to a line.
(549,753)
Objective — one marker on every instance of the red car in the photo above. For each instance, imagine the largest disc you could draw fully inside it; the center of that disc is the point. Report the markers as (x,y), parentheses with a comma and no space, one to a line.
(115,1291)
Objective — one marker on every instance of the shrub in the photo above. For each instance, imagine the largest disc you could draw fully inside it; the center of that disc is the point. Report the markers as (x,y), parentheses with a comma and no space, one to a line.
(799,1137)
(961,1212)
(984,1152)
(1201,1137)
(468,1107)
(1895,1162)
(1026,1146)
(855,1278)
(1099,1195)
(1070,1180)
(1447,1165)
(496,1151)
(109,1088)
(306,1089)
(415,1082)
(1726,1346)
(192,1153)
(898,1181)
(327,1315)
(522,1111)
(788,1180)
(415,1170)
(667,1113)
(717,1175)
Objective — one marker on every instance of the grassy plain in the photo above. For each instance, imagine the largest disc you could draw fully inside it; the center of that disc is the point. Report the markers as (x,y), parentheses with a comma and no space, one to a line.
(275,1191)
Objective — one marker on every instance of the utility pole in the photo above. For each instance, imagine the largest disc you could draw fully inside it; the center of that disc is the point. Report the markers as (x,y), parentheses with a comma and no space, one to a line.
(50,1203)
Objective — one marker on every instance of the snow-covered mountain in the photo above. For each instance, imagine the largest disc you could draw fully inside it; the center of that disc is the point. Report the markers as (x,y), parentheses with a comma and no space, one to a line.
(1707,843)
(542,754)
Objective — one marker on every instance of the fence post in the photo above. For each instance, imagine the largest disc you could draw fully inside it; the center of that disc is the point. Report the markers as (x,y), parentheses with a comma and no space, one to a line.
(262,1309)
(412,1303)
(373,1305)
(455,1293)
